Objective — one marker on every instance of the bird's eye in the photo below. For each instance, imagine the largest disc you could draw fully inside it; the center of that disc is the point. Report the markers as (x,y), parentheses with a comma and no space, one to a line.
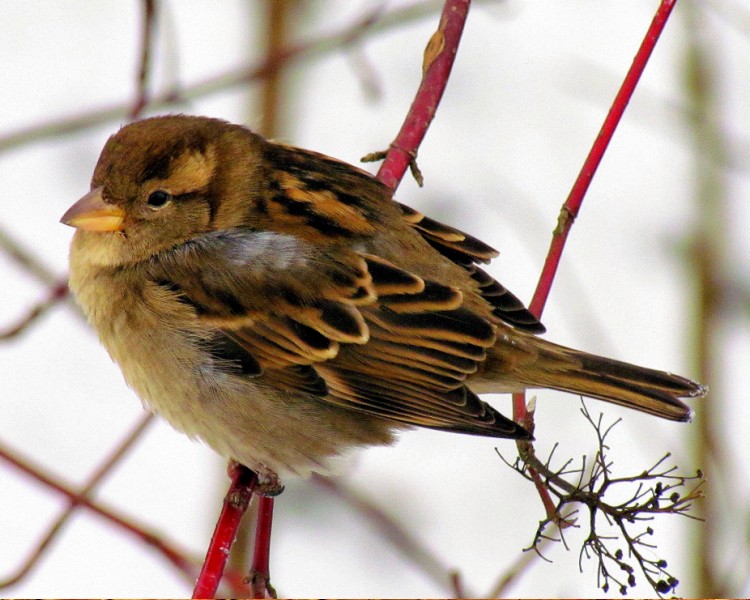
(158,199)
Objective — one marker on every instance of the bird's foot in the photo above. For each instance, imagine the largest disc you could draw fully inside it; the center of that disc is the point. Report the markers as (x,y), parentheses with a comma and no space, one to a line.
(268,484)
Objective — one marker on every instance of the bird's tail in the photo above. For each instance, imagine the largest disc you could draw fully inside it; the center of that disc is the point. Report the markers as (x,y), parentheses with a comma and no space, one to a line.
(556,367)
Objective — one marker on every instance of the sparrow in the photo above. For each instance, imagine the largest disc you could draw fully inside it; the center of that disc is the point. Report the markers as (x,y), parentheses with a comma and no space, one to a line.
(279,305)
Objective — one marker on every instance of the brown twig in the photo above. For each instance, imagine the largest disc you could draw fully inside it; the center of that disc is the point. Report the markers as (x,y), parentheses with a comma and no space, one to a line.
(144,66)
(708,260)
(86,491)
(232,78)
(271,101)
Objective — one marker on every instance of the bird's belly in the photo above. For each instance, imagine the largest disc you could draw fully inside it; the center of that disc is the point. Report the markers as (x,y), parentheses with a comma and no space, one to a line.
(163,360)
(262,428)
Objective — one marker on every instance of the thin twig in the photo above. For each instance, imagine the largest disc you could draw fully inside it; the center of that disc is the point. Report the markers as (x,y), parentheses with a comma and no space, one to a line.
(58,293)
(658,490)
(174,555)
(144,68)
(86,491)
(230,79)
(572,204)
(26,259)
(392,530)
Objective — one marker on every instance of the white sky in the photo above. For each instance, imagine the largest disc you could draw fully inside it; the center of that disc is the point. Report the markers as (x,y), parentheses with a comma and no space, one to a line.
(529,90)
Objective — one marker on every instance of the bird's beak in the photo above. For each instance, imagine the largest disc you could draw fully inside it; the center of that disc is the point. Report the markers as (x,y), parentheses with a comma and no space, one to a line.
(92,213)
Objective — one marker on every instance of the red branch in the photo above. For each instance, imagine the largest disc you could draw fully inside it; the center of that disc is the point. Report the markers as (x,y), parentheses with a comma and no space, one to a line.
(235,504)
(260,572)
(438,61)
(572,204)
(87,489)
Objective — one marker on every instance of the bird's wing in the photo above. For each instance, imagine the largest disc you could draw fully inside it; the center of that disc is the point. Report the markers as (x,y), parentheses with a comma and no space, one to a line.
(466,250)
(312,196)
(349,328)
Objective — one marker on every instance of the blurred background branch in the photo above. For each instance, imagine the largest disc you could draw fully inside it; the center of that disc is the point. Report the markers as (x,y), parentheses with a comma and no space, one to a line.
(488,165)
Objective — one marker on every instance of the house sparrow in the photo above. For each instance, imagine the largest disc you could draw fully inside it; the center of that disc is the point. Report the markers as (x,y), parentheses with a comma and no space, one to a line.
(279,305)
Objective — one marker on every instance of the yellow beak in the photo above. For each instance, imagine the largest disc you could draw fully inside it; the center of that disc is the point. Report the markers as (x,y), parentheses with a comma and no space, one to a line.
(92,213)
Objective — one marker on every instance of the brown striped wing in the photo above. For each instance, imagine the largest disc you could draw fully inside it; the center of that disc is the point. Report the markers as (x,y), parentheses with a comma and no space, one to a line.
(353,330)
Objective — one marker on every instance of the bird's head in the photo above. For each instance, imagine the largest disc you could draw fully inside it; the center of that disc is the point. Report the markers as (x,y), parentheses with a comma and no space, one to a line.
(163,180)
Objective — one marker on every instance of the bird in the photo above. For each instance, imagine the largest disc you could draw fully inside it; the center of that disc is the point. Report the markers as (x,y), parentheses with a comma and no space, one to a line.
(279,305)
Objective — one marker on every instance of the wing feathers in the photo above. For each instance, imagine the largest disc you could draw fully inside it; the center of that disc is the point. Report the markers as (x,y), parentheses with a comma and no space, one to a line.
(505,305)
(351,329)
(446,237)
(465,251)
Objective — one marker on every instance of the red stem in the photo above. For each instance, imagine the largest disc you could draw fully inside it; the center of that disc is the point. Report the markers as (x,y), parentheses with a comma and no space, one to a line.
(261,570)
(572,204)
(88,488)
(235,504)
(439,56)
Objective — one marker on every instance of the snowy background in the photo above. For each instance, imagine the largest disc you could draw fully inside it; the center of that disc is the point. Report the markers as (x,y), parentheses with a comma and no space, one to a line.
(530,87)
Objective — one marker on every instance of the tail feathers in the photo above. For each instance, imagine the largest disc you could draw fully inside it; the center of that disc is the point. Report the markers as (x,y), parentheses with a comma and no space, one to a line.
(648,390)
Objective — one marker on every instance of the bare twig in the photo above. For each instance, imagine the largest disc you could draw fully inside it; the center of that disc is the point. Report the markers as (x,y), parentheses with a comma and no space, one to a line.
(86,491)
(174,555)
(144,67)
(393,531)
(572,204)
(219,83)
(655,491)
